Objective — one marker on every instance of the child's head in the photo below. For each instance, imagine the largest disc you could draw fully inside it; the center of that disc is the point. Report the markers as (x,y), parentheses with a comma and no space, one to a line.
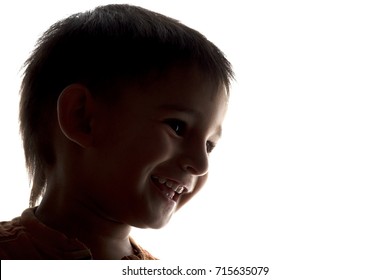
(122,91)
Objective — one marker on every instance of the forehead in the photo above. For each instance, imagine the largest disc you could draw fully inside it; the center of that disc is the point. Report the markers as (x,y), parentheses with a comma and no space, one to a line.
(179,84)
(181,92)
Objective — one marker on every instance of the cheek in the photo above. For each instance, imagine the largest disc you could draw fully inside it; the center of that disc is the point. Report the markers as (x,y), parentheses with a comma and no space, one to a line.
(133,159)
(142,145)
(158,144)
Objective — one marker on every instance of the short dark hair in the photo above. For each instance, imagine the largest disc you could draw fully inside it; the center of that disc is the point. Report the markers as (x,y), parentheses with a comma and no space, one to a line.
(98,48)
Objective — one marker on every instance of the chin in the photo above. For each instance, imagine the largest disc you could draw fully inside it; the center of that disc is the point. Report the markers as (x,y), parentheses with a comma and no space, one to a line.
(153,223)
(160,223)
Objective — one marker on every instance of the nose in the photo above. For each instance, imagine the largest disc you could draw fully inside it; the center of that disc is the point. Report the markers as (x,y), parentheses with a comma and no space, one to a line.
(195,160)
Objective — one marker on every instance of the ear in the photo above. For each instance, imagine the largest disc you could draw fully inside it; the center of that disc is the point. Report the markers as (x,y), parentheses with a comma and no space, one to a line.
(75,107)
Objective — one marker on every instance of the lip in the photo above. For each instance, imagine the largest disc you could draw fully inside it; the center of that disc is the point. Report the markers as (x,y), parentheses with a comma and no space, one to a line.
(186,184)
(164,190)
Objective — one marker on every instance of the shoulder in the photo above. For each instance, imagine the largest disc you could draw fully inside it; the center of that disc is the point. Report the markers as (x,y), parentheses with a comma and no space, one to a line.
(15,239)
(10,232)
(139,252)
(10,229)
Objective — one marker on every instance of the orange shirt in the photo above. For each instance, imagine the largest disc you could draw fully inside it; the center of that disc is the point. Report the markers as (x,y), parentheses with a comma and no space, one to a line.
(26,238)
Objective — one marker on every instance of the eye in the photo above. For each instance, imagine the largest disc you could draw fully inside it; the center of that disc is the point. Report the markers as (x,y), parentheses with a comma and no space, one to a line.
(210,146)
(178,126)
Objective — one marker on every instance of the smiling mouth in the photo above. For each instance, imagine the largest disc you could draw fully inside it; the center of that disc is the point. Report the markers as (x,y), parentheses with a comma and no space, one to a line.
(169,188)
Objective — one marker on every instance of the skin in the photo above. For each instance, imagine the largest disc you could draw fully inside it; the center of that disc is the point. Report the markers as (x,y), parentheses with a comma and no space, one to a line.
(107,155)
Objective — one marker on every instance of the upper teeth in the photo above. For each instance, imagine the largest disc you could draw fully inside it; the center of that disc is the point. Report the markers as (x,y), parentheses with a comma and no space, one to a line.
(170,184)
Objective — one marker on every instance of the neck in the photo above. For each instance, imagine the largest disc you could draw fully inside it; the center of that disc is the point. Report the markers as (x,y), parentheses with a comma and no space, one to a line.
(106,238)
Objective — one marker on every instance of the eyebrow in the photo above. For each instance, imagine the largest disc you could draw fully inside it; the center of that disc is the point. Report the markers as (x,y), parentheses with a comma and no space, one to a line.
(183,109)
(178,108)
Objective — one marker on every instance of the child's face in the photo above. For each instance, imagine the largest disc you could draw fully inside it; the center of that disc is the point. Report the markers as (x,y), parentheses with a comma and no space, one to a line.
(155,140)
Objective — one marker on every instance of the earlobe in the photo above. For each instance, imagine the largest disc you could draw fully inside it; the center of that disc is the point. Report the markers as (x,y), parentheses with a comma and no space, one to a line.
(75,114)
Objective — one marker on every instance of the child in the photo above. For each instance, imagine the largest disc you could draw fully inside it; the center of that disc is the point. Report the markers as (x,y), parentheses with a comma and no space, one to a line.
(120,108)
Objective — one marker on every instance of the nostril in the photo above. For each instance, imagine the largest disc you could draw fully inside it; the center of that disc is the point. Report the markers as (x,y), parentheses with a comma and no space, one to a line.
(194,159)
(197,169)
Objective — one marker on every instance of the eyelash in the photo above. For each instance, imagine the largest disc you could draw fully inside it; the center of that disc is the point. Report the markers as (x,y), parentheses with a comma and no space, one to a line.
(210,146)
(180,128)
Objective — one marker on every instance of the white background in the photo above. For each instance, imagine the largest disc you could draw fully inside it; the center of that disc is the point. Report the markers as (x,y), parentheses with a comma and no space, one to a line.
(300,179)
